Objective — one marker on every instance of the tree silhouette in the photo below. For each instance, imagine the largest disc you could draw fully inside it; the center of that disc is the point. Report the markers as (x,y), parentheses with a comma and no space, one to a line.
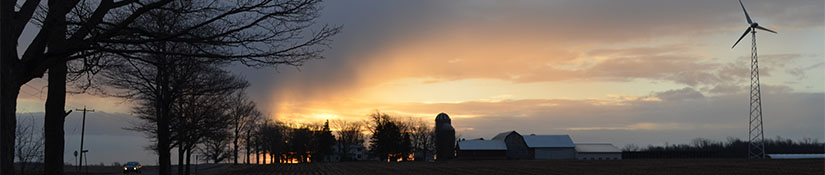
(388,142)
(255,33)
(271,139)
(732,148)
(323,142)
(28,146)
(242,112)
(216,147)
(349,133)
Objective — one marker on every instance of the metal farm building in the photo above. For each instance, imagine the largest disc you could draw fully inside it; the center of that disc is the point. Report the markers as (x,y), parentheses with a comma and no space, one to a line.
(550,147)
(512,145)
(482,150)
(516,148)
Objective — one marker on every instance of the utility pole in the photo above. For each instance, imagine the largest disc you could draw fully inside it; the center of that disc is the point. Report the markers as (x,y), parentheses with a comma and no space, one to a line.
(82,134)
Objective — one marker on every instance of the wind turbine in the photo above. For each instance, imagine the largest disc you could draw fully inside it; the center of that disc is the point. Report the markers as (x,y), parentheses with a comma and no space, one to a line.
(756,137)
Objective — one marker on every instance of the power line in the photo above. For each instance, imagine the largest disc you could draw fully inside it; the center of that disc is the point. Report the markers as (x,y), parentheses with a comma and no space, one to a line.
(82,134)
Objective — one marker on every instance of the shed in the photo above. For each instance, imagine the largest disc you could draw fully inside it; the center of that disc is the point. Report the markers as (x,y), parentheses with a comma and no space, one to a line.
(597,151)
(550,146)
(516,147)
(482,149)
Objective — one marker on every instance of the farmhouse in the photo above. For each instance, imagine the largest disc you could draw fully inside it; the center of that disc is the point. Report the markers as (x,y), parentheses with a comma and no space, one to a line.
(342,152)
(547,147)
(597,151)
(516,147)
(481,150)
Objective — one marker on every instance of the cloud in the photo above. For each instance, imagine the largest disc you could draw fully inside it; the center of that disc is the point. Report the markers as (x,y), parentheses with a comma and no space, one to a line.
(680,94)
(524,41)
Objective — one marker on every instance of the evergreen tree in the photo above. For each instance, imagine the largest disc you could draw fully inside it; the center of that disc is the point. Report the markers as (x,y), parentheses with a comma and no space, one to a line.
(324,141)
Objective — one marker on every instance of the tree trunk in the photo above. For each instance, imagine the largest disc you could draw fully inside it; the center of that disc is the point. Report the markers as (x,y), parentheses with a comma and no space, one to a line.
(55,116)
(23,168)
(235,141)
(9,87)
(257,154)
(248,146)
(181,153)
(8,121)
(188,155)
(163,101)
(55,102)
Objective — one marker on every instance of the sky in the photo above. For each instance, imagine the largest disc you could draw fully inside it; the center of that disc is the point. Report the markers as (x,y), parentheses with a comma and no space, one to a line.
(644,72)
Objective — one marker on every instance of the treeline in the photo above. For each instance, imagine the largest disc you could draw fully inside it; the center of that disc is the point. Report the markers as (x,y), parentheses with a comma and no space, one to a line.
(277,142)
(731,148)
(390,139)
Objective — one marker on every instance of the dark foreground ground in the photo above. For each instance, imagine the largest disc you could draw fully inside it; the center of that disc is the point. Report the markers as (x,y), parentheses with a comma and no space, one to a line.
(650,166)
(646,166)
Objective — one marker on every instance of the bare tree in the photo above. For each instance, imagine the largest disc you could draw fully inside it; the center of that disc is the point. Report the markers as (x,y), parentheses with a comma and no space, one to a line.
(202,116)
(631,147)
(254,32)
(251,128)
(271,141)
(349,133)
(422,137)
(216,147)
(29,145)
(242,110)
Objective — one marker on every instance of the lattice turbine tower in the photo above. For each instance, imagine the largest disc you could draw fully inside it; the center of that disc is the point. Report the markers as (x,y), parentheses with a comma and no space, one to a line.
(756,133)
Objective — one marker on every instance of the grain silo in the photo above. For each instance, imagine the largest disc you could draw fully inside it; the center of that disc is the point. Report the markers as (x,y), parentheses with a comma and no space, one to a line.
(444,138)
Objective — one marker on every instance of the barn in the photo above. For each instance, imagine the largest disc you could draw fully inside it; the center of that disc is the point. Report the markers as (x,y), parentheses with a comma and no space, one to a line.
(597,151)
(550,147)
(482,150)
(516,147)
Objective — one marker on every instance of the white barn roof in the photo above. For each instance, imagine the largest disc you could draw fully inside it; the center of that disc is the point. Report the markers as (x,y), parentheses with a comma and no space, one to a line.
(797,156)
(596,148)
(503,135)
(549,141)
(482,145)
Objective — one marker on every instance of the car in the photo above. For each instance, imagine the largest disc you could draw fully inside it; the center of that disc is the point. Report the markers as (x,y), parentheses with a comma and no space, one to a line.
(132,167)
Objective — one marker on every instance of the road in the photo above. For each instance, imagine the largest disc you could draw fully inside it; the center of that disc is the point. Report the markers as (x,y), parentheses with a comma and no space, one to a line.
(154,171)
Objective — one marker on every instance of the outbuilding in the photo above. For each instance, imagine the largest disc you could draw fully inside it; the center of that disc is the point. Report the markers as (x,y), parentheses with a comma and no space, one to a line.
(482,150)
(516,147)
(550,147)
(597,151)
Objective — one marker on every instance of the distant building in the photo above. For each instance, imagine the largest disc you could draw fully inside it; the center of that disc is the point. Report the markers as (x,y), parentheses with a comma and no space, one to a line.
(516,147)
(353,152)
(481,149)
(597,151)
(444,137)
(550,147)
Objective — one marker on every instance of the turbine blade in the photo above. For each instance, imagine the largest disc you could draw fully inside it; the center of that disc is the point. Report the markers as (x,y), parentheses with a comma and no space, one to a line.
(765,29)
(740,38)
(746,12)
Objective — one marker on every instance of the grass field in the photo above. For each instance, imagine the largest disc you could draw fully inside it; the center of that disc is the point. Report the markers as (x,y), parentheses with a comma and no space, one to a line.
(639,166)
(650,166)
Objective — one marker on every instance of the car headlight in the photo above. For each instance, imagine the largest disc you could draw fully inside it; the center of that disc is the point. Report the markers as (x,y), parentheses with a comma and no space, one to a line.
(124,168)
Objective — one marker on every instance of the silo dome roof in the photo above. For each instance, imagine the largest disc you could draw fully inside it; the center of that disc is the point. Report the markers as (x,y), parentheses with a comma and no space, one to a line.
(442,116)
